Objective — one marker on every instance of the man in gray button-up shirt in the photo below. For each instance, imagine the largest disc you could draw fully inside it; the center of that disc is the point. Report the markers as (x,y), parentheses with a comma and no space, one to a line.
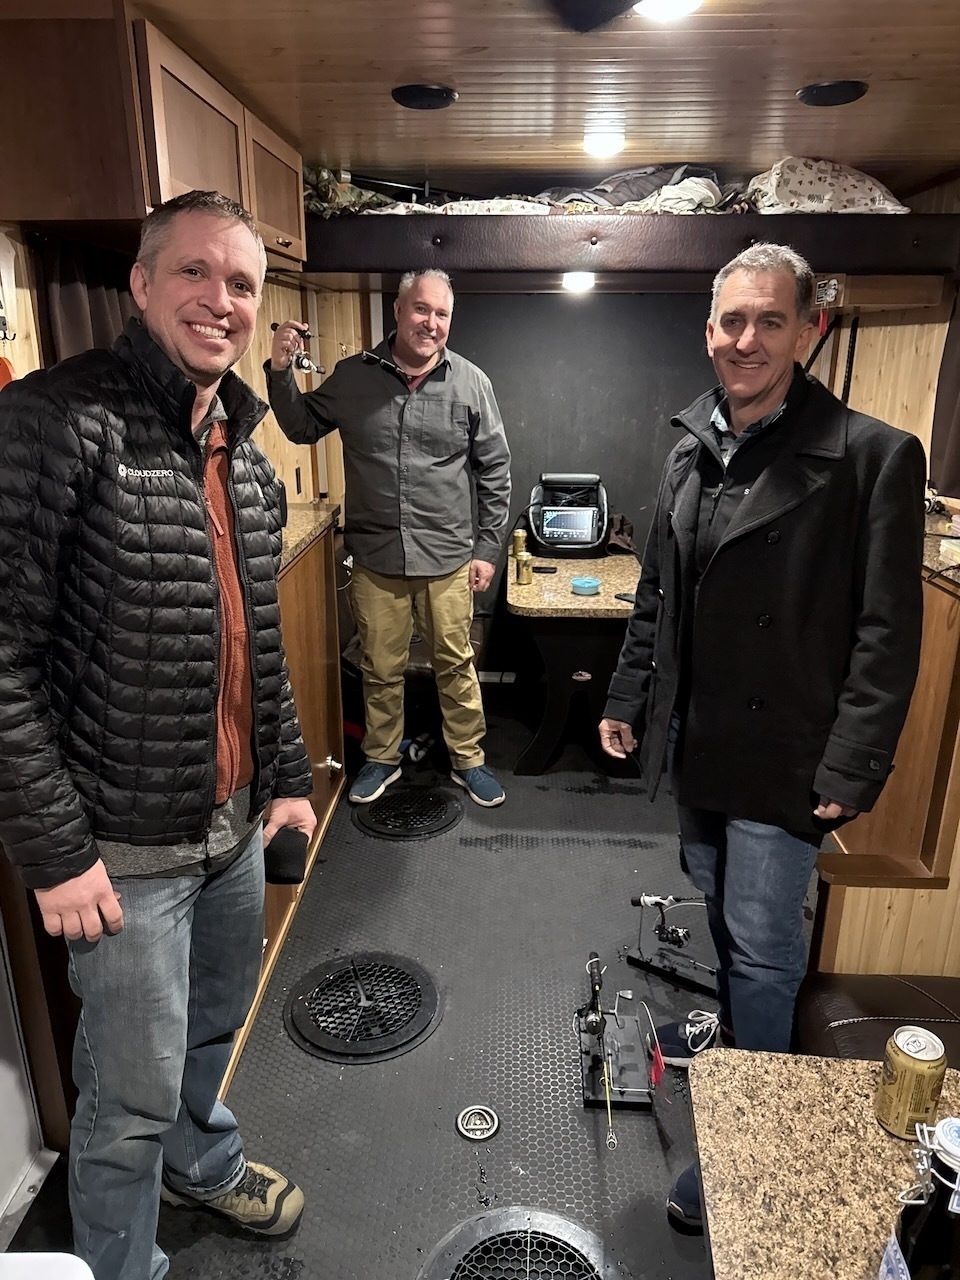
(420,429)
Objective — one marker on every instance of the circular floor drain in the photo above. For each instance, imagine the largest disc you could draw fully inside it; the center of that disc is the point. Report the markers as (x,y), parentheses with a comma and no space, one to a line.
(363,1008)
(477,1123)
(520,1244)
(409,813)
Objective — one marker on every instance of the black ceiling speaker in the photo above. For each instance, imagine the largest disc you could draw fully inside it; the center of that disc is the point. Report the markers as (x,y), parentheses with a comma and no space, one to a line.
(424,97)
(832,93)
(588,15)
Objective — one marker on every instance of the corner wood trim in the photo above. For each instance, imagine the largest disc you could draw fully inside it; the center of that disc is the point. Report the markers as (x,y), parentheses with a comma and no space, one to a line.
(271,957)
(875,871)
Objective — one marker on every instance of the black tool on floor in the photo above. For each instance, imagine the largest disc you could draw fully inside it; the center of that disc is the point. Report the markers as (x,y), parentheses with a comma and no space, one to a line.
(613,1063)
(666,952)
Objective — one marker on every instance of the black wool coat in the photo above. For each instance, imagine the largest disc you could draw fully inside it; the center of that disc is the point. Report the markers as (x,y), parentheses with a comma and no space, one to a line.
(798,646)
(109,611)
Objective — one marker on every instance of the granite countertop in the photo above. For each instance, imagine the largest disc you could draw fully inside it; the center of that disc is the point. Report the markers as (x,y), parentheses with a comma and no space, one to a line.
(799,1178)
(305,521)
(936,528)
(549,594)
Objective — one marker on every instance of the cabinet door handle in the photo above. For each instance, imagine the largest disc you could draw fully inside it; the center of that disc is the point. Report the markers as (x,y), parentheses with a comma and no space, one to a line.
(330,763)
(284,244)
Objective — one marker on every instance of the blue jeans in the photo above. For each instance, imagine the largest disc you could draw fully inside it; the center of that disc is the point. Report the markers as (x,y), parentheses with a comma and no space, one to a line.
(754,878)
(161,1002)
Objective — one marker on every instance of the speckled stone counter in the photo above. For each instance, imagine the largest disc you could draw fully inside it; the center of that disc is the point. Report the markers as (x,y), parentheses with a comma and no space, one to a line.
(799,1179)
(305,521)
(936,528)
(549,594)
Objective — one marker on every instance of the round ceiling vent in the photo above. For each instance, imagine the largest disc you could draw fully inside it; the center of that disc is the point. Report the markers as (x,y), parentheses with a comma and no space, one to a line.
(520,1244)
(363,1008)
(424,97)
(832,93)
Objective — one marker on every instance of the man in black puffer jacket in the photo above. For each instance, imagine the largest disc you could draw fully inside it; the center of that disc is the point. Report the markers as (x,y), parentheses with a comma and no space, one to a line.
(149,745)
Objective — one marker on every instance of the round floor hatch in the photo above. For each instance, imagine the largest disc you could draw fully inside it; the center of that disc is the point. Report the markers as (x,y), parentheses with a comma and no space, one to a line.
(520,1244)
(409,813)
(478,1123)
(363,1007)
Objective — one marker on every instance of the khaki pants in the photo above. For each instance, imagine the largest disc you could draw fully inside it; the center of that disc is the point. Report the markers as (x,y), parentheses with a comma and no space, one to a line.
(385,609)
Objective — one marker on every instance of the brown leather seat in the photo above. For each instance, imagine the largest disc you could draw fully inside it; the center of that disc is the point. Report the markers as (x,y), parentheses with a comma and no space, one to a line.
(848,1015)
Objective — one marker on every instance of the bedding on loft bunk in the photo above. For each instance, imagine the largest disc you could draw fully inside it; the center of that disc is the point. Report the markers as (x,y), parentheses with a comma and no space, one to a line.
(792,185)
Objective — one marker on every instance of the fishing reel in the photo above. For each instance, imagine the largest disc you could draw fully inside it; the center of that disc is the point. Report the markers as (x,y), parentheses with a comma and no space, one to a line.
(300,360)
(613,1063)
(673,935)
(668,957)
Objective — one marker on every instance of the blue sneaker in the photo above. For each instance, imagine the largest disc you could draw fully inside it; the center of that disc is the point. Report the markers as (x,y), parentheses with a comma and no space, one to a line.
(480,785)
(372,781)
(681,1042)
(684,1203)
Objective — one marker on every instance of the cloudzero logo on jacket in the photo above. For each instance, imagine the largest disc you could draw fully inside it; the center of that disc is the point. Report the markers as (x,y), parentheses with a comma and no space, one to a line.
(124,471)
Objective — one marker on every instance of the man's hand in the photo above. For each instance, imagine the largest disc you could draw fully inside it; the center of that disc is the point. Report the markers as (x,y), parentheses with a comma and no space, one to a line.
(286,343)
(616,738)
(289,813)
(81,907)
(831,810)
(481,574)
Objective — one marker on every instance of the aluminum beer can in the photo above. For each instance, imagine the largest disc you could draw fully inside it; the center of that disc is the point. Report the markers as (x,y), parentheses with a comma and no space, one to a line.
(519,541)
(524,568)
(914,1066)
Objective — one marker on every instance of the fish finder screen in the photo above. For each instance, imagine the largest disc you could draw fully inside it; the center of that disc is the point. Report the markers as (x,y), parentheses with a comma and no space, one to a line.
(568,524)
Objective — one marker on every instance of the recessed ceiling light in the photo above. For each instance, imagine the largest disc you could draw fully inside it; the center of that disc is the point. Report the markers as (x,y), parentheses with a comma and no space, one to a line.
(604,142)
(424,97)
(832,93)
(666,10)
(578,281)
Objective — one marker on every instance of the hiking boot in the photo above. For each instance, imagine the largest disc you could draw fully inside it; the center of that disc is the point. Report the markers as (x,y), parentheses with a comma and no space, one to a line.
(263,1201)
(372,781)
(684,1203)
(480,785)
(680,1042)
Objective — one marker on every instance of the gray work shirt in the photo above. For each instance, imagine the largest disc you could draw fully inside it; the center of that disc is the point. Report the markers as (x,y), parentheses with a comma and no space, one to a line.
(411,459)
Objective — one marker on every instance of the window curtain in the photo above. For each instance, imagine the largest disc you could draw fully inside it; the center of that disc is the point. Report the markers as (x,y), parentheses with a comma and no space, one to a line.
(945,440)
(87,294)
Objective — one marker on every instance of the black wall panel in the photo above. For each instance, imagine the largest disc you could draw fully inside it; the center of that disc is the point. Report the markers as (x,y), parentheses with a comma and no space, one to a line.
(587,382)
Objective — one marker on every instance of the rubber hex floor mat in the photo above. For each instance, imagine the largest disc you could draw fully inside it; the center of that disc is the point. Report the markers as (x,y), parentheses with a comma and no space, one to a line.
(502,911)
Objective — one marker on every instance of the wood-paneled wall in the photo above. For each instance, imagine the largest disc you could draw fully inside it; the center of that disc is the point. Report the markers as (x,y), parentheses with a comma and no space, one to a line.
(294,464)
(895,376)
(338,320)
(340,323)
(898,353)
(24,352)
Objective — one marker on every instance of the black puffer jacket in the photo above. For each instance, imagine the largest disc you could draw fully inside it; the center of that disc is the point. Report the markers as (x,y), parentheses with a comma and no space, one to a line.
(109,628)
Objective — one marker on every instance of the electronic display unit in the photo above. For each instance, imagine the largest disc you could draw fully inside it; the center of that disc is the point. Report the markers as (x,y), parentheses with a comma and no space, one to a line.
(569,525)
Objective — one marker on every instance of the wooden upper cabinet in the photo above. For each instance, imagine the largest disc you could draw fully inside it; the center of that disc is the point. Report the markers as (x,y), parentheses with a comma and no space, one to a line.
(193,128)
(127,120)
(276,189)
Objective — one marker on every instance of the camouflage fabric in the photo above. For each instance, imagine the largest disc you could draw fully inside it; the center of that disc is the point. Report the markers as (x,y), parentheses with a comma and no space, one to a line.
(323,194)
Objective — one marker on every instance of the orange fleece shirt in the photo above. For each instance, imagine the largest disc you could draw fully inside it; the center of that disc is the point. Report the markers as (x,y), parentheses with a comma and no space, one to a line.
(235,694)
